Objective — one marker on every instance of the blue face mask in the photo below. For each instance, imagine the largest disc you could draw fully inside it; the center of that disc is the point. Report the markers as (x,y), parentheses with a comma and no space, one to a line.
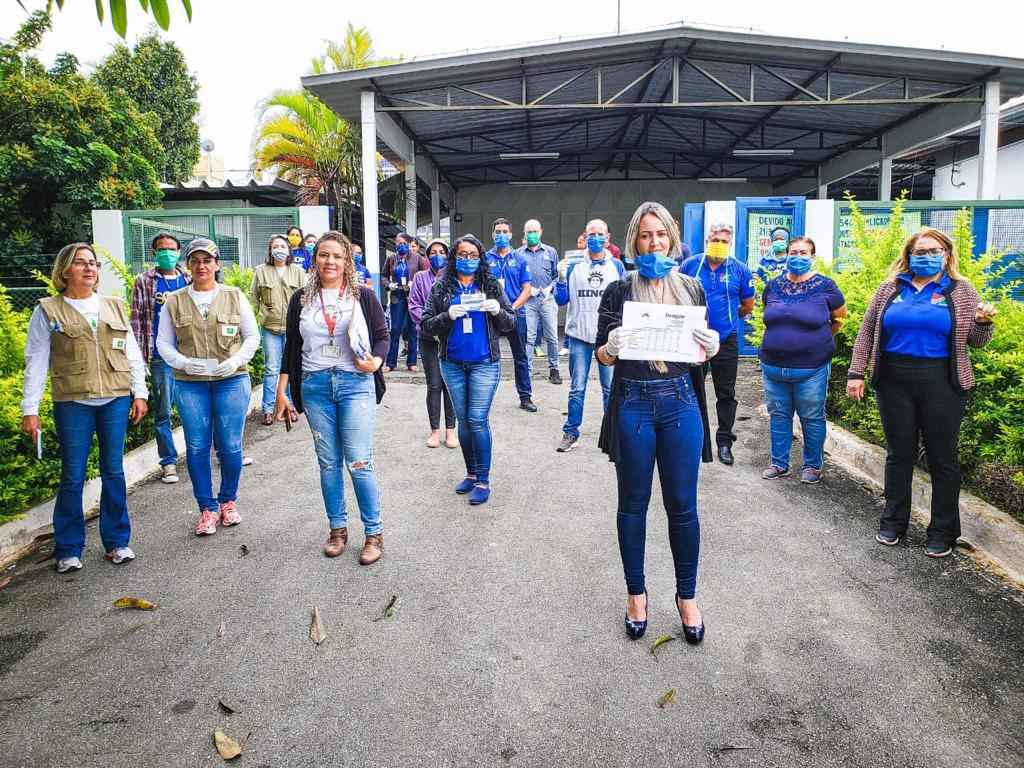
(467,267)
(402,249)
(595,243)
(654,266)
(925,266)
(798,265)
(438,260)
(502,239)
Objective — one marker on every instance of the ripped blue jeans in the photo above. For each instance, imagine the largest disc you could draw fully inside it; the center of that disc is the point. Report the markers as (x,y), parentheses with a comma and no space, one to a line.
(340,407)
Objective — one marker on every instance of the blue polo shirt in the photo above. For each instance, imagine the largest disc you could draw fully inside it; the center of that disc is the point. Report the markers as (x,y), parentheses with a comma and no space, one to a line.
(363,272)
(472,345)
(513,269)
(917,323)
(726,288)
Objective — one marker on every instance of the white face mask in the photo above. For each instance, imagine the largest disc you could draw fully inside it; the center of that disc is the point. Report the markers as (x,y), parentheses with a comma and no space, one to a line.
(279,255)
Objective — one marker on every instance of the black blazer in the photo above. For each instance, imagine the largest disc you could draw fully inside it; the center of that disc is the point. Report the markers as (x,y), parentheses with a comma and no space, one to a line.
(380,338)
(609,318)
(438,324)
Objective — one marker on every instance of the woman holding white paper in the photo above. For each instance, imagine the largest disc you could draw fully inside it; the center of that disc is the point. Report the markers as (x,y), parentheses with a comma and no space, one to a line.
(657,414)
(209,338)
(336,338)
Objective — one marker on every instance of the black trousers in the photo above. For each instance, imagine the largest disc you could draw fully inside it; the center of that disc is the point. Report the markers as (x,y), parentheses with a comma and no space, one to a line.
(436,390)
(723,367)
(916,397)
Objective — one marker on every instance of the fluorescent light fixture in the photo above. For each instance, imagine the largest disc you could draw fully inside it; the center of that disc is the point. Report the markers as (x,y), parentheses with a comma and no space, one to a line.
(532,183)
(529,155)
(762,152)
(716,180)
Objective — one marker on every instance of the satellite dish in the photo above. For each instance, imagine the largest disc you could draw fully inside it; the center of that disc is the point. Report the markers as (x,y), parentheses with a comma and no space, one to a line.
(206,145)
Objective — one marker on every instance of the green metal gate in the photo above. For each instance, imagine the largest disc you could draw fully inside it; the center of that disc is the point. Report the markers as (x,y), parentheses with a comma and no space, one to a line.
(241,234)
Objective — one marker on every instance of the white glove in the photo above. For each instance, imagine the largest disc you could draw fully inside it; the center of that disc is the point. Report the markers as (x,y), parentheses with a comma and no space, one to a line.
(225,368)
(707,338)
(392,286)
(563,270)
(534,291)
(455,311)
(490,306)
(620,338)
(195,367)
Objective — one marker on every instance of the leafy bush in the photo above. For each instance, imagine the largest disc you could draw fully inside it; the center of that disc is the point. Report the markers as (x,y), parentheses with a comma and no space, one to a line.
(992,434)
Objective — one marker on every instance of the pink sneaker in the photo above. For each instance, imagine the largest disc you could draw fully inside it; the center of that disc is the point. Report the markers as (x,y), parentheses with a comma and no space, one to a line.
(207,525)
(228,514)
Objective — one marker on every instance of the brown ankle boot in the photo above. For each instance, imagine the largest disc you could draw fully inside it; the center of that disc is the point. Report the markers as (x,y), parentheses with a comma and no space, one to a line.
(336,542)
(373,548)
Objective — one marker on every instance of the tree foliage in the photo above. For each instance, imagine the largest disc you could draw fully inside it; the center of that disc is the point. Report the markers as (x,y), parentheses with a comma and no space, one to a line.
(67,147)
(155,76)
(118,10)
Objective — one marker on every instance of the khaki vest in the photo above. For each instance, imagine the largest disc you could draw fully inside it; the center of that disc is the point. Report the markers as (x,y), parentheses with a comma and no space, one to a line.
(219,335)
(272,293)
(87,364)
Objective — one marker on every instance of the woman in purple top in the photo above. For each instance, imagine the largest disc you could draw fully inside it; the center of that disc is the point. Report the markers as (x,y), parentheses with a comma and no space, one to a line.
(419,292)
(802,312)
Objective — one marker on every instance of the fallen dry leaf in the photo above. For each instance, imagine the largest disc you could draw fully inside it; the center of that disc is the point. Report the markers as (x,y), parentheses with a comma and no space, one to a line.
(227,709)
(226,746)
(667,698)
(244,549)
(221,630)
(135,603)
(5,581)
(389,609)
(662,639)
(316,627)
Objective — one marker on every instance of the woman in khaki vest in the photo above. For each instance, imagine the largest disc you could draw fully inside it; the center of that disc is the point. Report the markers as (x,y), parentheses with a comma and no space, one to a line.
(209,340)
(273,284)
(98,382)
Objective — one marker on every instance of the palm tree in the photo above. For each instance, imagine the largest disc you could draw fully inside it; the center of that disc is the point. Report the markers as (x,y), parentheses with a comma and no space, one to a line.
(354,52)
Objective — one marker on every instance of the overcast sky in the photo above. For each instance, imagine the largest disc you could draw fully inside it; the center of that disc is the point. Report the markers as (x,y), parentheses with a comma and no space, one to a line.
(241,50)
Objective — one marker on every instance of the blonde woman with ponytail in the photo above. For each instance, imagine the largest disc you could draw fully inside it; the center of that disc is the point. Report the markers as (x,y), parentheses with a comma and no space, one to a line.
(657,414)
(336,338)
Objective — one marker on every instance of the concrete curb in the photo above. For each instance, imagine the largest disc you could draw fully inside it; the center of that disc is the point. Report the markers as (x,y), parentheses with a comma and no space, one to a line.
(995,540)
(19,537)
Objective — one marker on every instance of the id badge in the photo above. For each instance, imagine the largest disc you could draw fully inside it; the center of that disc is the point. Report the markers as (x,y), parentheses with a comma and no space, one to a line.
(119,344)
(404,280)
(330,351)
(229,330)
(467,325)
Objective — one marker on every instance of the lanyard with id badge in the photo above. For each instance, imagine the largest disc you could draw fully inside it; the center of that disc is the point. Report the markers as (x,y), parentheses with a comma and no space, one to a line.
(330,350)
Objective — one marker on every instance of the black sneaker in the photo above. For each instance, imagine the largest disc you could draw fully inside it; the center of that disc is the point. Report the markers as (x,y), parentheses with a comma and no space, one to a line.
(889,539)
(938,549)
(568,443)
(527,405)
(555,377)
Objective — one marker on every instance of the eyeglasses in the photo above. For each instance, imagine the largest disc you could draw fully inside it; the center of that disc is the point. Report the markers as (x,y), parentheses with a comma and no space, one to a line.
(82,264)
(935,252)
(466,254)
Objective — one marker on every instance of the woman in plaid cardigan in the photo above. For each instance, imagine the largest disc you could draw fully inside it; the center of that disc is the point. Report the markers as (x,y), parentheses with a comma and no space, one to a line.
(914,338)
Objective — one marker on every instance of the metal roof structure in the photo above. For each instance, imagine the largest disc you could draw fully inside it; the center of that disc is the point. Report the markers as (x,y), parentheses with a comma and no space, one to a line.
(672,103)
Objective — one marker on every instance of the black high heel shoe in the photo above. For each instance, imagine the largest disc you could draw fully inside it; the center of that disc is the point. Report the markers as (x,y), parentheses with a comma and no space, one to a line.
(692,635)
(636,629)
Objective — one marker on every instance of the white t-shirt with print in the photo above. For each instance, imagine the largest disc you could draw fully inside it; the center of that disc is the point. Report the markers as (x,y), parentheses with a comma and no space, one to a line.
(318,351)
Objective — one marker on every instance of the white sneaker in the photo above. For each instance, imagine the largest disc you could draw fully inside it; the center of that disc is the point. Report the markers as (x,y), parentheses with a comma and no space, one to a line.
(563,352)
(66,564)
(246,461)
(120,555)
(169,473)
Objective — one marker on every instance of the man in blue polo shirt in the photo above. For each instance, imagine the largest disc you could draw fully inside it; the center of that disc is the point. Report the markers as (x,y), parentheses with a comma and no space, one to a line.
(512,271)
(730,294)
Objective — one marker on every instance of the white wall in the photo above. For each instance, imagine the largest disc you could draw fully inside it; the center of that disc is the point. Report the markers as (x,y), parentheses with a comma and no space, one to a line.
(565,208)
(820,226)
(108,234)
(1009,176)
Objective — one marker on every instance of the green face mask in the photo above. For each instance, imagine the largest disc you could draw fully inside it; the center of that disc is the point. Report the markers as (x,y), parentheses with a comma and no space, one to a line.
(533,239)
(166,259)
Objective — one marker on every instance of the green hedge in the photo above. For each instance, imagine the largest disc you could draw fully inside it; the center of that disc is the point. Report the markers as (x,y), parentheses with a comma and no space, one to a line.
(26,480)
(992,436)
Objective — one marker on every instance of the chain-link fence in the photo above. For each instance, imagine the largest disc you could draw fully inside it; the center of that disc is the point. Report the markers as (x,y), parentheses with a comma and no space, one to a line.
(17,276)
(241,234)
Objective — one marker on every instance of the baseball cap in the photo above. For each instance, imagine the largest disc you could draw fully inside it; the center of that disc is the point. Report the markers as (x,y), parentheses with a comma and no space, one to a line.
(203,244)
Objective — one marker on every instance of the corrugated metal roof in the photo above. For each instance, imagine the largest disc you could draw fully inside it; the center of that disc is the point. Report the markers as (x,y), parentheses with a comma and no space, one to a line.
(638,132)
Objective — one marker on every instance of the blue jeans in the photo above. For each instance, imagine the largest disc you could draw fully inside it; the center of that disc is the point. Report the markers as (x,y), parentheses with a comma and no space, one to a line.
(273,351)
(213,412)
(521,356)
(401,325)
(75,426)
(162,378)
(542,318)
(472,387)
(340,407)
(659,421)
(802,390)
(581,354)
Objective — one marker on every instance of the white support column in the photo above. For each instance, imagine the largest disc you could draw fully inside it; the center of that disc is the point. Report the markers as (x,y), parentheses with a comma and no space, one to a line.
(884,173)
(435,211)
(822,186)
(988,145)
(371,235)
(410,196)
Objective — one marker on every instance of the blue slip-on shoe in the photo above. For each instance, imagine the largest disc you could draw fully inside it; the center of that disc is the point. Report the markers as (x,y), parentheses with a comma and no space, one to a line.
(480,494)
(465,486)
